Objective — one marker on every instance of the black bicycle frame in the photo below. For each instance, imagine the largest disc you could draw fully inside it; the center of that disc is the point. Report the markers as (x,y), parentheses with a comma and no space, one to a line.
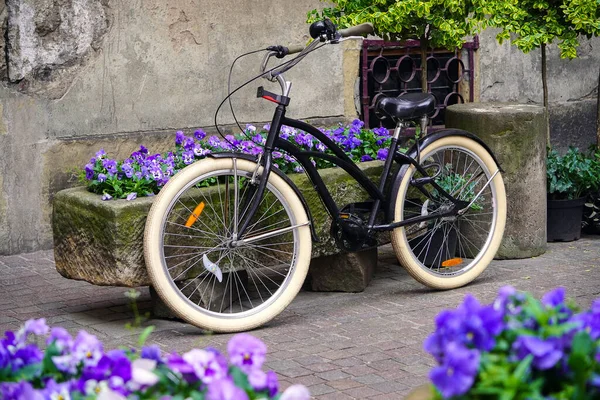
(341,159)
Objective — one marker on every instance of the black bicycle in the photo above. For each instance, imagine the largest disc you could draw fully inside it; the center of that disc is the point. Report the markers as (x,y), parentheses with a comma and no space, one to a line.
(228,240)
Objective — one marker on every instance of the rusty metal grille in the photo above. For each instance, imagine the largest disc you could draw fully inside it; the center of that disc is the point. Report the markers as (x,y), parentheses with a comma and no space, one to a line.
(393,68)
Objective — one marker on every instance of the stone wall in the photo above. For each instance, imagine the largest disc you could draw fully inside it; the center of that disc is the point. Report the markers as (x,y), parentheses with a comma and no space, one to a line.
(78,75)
(506,74)
(86,74)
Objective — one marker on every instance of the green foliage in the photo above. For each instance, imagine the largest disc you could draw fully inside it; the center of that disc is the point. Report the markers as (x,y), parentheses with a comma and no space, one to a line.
(459,185)
(573,175)
(444,23)
(536,22)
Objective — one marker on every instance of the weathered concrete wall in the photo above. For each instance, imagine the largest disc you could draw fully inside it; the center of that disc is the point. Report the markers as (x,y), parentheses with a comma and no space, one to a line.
(508,75)
(78,75)
(85,74)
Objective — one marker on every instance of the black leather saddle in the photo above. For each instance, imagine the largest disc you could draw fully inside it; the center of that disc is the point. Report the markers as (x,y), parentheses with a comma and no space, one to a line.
(406,107)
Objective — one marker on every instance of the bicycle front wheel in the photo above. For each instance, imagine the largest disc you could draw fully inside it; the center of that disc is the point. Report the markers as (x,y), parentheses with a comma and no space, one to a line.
(199,268)
(449,252)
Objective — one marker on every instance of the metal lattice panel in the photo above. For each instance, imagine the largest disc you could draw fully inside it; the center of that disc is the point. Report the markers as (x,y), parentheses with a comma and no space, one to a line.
(393,68)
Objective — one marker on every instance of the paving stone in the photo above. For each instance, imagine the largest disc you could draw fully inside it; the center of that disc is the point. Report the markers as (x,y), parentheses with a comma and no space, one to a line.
(341,345)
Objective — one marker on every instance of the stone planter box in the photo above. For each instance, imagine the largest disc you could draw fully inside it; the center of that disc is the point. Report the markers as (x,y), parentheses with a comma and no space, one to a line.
(101,242)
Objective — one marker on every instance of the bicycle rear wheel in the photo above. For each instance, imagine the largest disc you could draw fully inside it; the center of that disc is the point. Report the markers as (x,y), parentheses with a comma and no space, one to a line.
(194,263)
(449,252)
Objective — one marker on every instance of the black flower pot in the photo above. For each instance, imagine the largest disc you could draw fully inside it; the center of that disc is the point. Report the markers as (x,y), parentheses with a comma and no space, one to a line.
(564,219)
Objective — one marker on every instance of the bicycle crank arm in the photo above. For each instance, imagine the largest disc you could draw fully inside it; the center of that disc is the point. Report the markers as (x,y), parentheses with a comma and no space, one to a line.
(266,235)
(463,210)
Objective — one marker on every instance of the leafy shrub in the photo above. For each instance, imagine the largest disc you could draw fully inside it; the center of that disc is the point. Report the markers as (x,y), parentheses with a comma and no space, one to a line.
(143,174)
(517,347)
(572,175)
(79,368)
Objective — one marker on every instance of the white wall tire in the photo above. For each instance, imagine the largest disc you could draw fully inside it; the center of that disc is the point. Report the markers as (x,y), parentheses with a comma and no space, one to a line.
(163,282)
(400,241)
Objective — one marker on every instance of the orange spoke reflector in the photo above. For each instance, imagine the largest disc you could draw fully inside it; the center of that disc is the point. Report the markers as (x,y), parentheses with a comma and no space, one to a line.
(197,211)
(453,262)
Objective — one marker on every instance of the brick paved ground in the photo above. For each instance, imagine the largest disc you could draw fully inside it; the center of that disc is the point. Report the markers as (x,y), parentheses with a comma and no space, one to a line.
(340,345)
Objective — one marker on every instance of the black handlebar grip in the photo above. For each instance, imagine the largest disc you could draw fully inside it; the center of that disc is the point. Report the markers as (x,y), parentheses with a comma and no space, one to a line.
(358,30)
(295,48)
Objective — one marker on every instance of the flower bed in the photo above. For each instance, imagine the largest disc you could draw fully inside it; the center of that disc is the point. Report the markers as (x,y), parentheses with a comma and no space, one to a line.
(517,348)
(143,174)
(80,368)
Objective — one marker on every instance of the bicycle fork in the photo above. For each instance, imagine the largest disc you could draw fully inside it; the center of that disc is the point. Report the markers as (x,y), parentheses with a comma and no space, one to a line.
(256,195)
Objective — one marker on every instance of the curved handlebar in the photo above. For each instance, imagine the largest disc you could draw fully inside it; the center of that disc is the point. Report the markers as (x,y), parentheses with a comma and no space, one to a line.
(358,30)
(295,48)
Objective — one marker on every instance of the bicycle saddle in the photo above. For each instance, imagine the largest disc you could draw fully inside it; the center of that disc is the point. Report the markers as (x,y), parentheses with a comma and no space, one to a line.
(407,106)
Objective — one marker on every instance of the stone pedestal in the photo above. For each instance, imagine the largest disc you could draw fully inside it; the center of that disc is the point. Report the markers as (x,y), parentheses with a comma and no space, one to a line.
(345,272)
(516,134)
(101,242)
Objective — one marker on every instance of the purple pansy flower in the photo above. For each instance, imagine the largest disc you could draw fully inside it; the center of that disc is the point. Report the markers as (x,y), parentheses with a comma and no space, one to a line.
(246,351)
(382,154)
(131,196)
(554,297)
(296,392)
(187,157)
(89,171)
(87,348)
(546,353)
(199,134)
(206,365)
(100,153)
(188,143)
(106,196)
(127,170)
(457,373)
(110,166)
(214,141)
(179,137)
(225,389)
(366,157)
(19,391)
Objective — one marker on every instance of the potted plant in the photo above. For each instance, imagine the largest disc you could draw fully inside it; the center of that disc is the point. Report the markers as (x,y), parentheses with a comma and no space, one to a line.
(570,178)
(516,347)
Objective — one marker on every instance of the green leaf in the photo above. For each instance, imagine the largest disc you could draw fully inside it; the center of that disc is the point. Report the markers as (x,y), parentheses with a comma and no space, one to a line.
(239,378)
(144,335)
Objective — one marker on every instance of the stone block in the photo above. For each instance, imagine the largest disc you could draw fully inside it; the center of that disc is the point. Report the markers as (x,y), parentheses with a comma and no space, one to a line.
(344,272)
(516,134)
(101,242)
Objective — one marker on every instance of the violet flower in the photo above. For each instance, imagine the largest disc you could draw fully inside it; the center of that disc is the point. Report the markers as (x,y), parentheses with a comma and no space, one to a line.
(246,351)
(225,389)
(89,171)
(179,137)
(151,352)
(131,196)
(382,154)
(199,134)
(205,365)
(546,353)
(295,392)
(458,371)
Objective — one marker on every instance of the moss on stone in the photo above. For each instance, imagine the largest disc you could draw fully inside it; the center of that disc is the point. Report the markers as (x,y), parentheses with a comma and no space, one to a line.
(102,241)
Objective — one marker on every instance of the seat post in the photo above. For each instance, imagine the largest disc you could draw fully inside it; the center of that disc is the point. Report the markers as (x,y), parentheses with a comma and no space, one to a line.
(424,123)
(399,127)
